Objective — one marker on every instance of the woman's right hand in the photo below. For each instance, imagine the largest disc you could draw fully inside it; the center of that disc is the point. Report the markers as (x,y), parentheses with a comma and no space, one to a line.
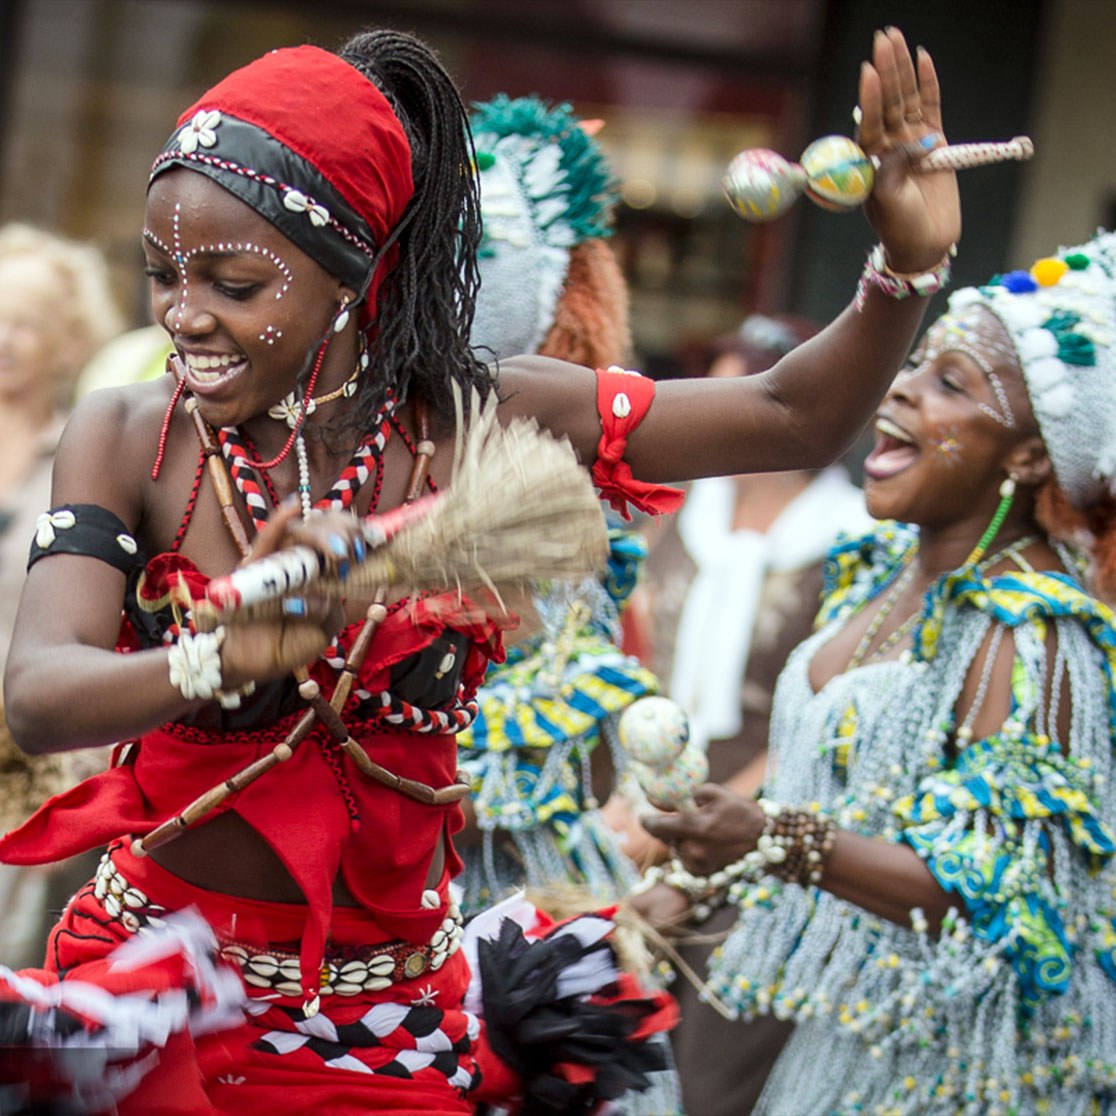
(917,216)
(721,829)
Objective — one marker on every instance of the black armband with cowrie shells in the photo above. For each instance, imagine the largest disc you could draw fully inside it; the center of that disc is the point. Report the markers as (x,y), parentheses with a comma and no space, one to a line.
(85,529)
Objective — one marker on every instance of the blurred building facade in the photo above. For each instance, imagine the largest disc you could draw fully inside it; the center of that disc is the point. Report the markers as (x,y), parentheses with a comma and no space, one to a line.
(89,90)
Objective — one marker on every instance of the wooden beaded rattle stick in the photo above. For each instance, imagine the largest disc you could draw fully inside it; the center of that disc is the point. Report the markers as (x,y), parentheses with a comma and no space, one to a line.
(836,173)
(655,734)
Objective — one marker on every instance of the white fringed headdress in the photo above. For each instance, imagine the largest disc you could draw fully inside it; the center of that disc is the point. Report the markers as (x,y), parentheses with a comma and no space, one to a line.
(1061,318)
(545,186)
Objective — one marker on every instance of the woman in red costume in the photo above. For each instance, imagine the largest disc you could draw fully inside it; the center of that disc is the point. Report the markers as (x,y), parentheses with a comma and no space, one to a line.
(310,234)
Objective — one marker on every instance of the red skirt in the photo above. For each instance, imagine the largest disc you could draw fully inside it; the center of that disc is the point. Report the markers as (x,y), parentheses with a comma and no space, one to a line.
(406,1049)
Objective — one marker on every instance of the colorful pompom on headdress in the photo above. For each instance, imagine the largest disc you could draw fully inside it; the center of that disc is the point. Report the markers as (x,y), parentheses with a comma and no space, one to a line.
(545,187)
(1061,318)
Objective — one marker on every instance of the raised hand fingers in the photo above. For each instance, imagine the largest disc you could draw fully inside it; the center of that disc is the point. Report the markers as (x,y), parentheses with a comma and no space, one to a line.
(929,91)
(898,101)
(908,83)
(892,93)
(869,132)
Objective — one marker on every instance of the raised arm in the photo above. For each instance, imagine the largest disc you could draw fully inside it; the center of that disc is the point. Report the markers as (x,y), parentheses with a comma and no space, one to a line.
(806,410)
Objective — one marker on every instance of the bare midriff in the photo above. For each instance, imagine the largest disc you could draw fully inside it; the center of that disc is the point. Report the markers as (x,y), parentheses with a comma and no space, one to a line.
(227,855)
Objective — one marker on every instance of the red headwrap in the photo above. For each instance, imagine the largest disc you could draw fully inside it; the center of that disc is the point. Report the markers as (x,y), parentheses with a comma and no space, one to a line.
(314,147)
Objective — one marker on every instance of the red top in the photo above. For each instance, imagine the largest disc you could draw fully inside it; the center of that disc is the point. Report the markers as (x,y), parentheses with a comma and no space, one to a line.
(318,812)
(381,841)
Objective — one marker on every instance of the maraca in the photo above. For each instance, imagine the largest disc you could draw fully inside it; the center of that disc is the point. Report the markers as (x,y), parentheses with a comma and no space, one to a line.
(655,733)
(836,174)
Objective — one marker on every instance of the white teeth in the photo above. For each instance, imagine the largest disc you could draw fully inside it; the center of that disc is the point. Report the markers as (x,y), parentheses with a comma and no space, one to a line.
(199,362)
(890,430)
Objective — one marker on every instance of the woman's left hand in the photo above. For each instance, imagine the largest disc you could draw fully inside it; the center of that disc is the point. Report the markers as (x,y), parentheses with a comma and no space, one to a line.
(721,829)
(917,216)
(255,650)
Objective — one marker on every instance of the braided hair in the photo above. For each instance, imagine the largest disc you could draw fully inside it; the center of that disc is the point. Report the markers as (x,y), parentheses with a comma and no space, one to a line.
(420,340)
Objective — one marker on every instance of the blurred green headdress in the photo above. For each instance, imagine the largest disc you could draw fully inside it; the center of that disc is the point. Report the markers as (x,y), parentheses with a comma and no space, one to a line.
(545,186)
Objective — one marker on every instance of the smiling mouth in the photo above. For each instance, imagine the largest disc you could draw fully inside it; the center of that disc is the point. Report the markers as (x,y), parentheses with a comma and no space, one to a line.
(895,451)
(211,369)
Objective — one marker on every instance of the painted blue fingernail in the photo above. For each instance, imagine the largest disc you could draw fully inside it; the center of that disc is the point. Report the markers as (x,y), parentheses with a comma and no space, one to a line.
(930,141)
(294,606)
(338,545)
(358,549)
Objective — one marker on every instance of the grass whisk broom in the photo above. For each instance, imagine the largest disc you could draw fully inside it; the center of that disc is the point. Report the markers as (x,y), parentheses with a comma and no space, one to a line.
(519,508)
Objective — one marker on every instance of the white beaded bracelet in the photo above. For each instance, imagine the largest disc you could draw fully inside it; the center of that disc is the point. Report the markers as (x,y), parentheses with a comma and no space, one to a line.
(194,663)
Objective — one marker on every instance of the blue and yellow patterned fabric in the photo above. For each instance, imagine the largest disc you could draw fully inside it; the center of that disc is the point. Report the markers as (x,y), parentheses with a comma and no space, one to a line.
(541,714)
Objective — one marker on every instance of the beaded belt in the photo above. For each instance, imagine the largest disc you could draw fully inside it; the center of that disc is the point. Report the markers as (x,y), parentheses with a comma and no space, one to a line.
(345,971)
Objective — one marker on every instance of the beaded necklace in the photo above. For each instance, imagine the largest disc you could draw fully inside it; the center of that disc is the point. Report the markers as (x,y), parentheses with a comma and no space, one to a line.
(889,602)
(239,455)
(1012,550)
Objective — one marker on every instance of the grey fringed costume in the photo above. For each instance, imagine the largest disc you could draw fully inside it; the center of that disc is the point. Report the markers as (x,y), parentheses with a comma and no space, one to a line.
(1013,1007)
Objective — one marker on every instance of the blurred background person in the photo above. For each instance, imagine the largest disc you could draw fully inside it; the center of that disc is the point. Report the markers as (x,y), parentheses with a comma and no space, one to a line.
(541,751)
(130,358)
(56,310)
(734,580)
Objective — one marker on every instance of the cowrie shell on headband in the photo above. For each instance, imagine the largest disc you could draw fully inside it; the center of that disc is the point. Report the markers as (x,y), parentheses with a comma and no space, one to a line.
(297,202)
(200,131)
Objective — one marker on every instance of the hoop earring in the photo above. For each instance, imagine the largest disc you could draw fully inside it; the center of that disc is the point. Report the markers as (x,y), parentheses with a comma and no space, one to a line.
(1007,495)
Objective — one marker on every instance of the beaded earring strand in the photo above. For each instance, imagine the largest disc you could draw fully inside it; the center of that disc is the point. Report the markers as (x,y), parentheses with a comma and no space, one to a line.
(1007,495)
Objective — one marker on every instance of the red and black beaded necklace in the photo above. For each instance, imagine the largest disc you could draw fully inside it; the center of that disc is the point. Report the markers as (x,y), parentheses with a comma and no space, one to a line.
(243,465)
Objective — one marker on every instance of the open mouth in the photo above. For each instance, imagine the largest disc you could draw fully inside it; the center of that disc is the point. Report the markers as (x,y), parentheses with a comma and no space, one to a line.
(209,371)
(894,451)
